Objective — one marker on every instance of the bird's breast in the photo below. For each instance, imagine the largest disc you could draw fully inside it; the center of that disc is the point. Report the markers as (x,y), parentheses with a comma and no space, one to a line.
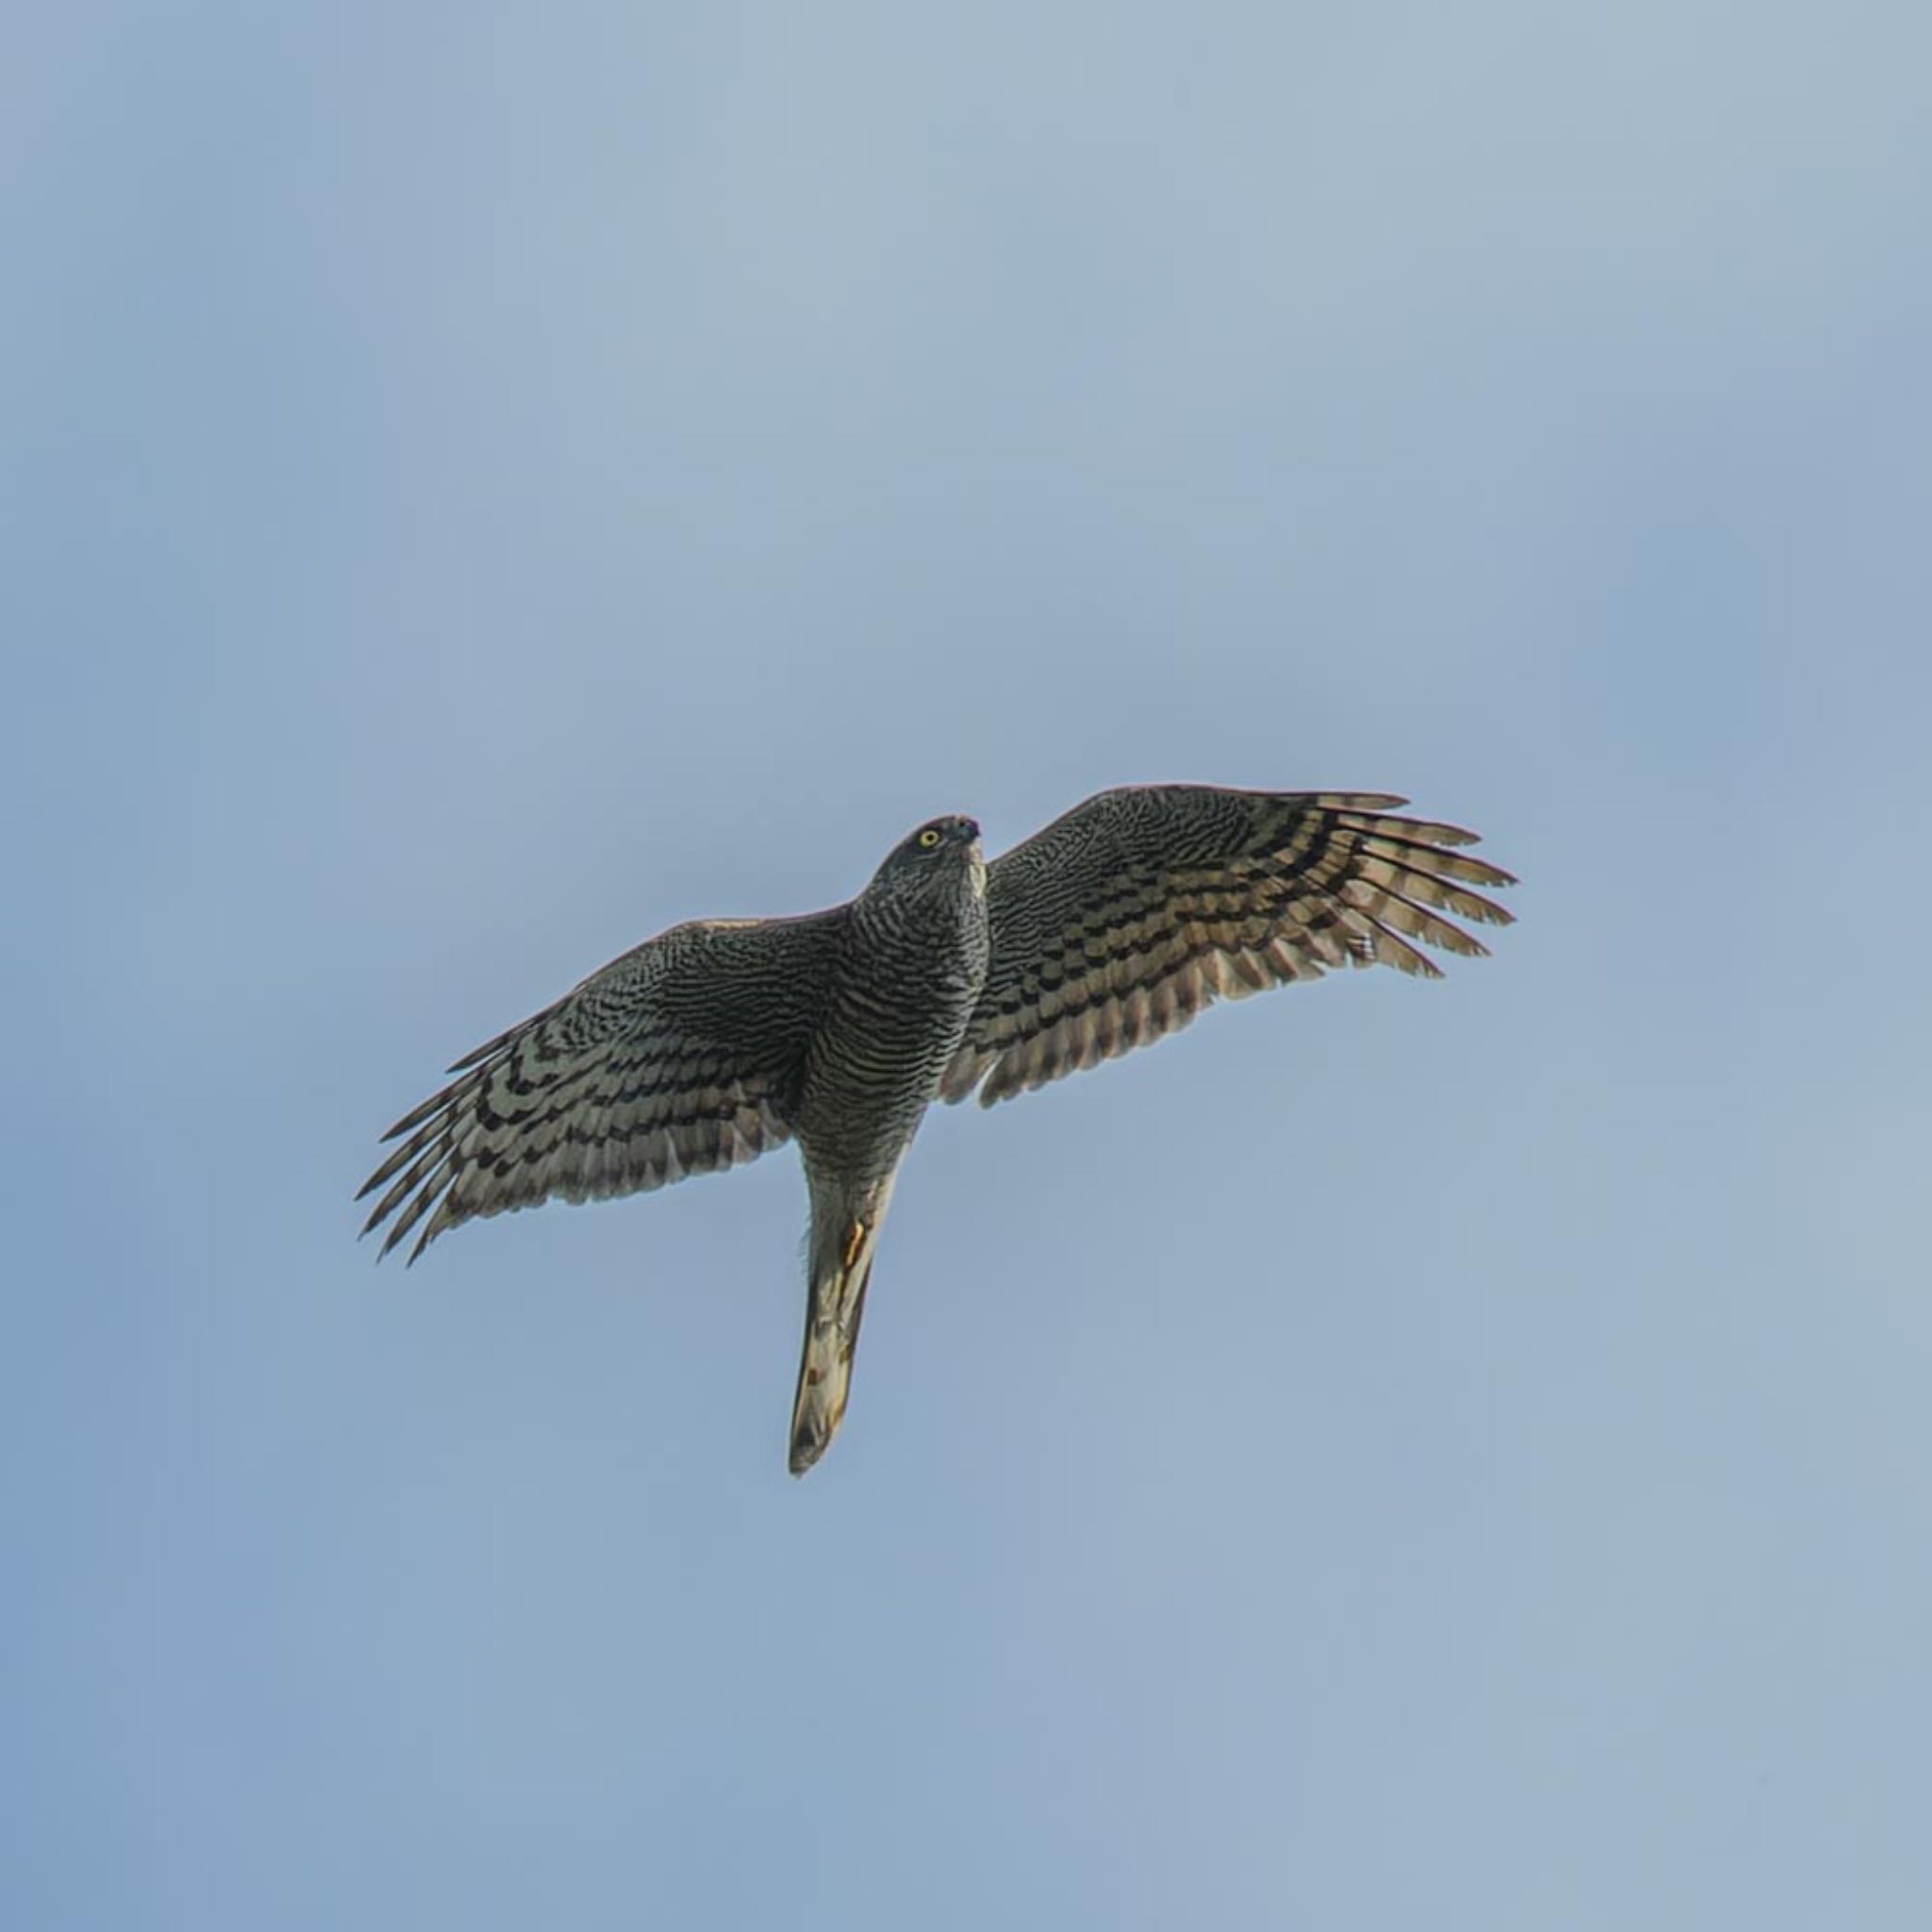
(898,1010)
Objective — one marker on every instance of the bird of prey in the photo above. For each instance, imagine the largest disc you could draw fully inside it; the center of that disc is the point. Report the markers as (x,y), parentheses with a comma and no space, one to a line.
(719,1040)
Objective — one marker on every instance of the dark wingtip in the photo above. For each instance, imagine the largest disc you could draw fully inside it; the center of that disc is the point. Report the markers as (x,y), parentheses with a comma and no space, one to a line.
(389,1240)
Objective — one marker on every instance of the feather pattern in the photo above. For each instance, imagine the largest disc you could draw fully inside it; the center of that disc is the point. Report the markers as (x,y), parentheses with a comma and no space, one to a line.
(683,1057)
(1122,920)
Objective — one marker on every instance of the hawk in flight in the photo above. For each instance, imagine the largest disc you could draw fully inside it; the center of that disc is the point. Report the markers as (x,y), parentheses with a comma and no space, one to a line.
(719,1040)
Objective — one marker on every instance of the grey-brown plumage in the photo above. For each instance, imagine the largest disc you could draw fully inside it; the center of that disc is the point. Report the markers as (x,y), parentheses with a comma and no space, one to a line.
(716,1040)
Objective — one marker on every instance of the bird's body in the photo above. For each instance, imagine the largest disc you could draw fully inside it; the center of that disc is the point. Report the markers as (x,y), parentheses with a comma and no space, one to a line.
(912,967)
(717,1039)
(914,962)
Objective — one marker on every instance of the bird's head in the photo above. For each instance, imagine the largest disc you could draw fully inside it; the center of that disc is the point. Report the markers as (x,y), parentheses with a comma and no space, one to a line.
(935,857)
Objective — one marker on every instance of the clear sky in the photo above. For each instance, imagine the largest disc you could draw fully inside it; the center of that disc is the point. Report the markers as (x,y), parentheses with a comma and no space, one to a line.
(481,484)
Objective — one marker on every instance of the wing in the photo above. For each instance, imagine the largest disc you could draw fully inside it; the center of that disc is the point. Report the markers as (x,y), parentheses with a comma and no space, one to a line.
(681,1058)
(1121,921)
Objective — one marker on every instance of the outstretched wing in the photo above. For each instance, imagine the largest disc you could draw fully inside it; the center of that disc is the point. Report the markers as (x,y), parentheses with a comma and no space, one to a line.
(682,1057)
(1121,921)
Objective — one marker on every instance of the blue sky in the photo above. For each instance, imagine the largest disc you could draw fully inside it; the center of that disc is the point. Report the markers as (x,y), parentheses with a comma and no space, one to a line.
(480,486)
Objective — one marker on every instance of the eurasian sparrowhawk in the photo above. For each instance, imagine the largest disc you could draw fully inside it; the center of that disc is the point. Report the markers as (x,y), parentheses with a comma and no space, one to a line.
(703,1047)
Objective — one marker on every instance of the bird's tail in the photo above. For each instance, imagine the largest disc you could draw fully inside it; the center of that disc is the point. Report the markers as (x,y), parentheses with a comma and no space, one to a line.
(844,1230)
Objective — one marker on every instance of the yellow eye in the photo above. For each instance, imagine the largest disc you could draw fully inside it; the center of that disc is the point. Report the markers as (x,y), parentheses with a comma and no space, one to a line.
(929,838)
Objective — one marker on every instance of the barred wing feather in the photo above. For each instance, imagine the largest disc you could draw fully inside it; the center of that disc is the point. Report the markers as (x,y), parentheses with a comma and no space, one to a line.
(1120,921)
(680,1057)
